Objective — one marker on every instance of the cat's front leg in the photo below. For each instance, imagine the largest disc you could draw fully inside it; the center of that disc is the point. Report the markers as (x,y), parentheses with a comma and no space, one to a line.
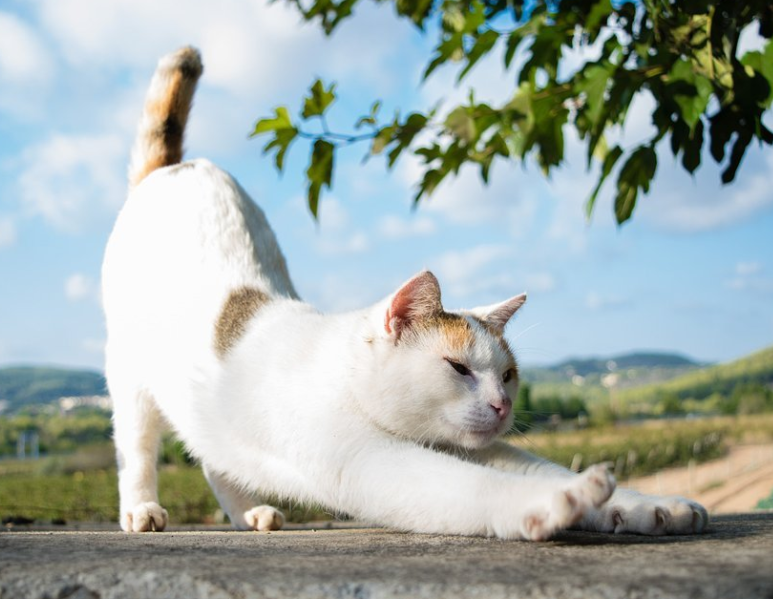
(626,511)
(413,488)
(629,511)
(571,503)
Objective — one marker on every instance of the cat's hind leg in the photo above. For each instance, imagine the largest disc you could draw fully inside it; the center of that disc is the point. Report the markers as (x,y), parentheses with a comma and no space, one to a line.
(137,425)
(241,506)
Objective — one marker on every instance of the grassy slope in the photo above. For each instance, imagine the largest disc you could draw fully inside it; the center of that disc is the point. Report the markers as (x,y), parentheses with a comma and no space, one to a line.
(25,385)
(723,378)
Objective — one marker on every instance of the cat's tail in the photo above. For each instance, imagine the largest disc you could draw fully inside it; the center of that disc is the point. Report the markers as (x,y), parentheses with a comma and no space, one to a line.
(159,139)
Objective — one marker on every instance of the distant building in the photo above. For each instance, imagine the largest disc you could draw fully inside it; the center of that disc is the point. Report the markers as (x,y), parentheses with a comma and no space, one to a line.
(68,404)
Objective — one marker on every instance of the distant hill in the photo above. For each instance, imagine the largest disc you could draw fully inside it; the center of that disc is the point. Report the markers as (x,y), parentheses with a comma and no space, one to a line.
(722,379)
(584,375)
(27,385)
(587,366)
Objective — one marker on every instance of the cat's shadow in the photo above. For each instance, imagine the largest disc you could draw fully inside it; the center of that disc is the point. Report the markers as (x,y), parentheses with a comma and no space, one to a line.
(721,528)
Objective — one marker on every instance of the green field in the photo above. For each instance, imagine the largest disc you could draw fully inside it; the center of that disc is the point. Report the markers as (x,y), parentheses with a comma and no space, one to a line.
(82,486)
(76,481)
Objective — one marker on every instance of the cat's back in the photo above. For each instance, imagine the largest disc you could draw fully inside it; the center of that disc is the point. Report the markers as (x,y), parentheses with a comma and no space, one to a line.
(187,236)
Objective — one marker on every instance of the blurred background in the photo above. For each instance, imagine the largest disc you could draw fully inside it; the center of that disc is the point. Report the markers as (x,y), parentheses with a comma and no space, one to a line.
(648,345)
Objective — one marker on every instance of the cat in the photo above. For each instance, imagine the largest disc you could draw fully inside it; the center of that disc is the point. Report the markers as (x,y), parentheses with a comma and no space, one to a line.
(389,414)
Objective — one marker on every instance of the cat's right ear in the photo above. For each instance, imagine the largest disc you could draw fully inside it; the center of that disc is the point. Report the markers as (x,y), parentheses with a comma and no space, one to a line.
(418,298)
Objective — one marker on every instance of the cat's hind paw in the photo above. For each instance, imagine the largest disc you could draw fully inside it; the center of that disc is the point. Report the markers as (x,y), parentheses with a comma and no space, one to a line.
(583,494)
(264,517)
(652,515)
(145,517)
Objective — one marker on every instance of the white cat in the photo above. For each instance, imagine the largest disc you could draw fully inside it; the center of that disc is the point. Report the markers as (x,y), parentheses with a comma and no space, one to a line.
(389,414)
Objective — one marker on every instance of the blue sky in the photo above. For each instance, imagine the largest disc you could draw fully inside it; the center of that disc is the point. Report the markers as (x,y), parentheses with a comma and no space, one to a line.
(692,273)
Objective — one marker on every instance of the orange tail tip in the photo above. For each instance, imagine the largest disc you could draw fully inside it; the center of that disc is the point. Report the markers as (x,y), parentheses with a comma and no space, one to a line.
(159,139)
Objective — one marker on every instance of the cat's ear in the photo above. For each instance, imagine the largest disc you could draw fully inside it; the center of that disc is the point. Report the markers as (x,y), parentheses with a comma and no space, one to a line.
(418,298)
(498,315)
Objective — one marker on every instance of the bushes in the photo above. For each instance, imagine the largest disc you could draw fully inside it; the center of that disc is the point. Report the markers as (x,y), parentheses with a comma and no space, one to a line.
(635,450)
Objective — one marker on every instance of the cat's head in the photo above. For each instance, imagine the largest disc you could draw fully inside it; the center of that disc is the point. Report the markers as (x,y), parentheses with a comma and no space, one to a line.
(447,378)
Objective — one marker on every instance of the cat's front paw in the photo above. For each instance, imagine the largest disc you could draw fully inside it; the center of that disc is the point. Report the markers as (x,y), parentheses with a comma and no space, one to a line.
(583,494)
(264,517)
(631,512)
(145,517)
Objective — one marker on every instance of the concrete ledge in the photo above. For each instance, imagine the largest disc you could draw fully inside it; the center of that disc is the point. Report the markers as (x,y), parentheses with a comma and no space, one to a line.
(734,559)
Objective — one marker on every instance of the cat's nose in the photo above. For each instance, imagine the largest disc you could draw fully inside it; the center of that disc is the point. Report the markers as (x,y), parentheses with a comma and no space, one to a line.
(502,407)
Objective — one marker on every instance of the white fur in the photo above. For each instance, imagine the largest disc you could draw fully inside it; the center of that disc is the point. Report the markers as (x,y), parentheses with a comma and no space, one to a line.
(361,416)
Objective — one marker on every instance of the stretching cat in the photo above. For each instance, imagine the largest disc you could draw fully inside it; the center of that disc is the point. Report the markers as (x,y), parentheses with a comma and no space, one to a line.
(389,414)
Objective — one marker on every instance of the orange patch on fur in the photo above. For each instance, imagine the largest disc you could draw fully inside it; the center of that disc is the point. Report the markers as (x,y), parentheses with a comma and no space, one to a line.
(457,331)
(238,309)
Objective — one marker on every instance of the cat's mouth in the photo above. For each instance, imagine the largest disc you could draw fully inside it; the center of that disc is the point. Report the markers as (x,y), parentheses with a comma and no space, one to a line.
(483,434)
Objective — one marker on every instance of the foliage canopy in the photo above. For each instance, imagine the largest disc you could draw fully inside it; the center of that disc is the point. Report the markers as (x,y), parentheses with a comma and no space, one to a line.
(684,53)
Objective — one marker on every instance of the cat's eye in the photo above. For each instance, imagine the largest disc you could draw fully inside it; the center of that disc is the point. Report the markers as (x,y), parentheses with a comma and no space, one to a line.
(460,368)
(507,376)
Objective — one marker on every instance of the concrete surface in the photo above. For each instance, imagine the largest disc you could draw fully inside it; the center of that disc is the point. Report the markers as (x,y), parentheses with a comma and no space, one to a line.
(734,559)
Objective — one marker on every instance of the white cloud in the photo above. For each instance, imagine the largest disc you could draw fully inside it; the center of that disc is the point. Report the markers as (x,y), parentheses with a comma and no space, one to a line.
(394,227)
(23,57)
(540,282)
(7,232)
(683,205)
(747,268)
(332,215)
(597,302)
(509,197)
(337,293)
(79,287)
(467,272)
(66,178)
(332,234)
(94,346)
(247,45)
(343,244)
(749,276)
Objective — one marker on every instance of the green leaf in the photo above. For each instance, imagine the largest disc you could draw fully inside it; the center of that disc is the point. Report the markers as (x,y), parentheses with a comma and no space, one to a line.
(371,118)
(606,168)
(483,45)
(461,124)
(593,83)
(597,18)
(742,141)
(762,62)
(454,19)
(320,172)
(429,183)
(319,100)
(636,174)
(382,139)
(284,134)
(693,91)
(691,149)
(281,121)
(451,48)
(282,140)
(518,35)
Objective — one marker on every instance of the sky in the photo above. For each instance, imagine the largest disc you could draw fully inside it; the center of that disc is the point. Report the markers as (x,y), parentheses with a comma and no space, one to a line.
(692,273)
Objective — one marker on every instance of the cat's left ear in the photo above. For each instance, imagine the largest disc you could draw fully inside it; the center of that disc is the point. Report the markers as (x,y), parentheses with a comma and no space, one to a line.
(498,315)
(417,299)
